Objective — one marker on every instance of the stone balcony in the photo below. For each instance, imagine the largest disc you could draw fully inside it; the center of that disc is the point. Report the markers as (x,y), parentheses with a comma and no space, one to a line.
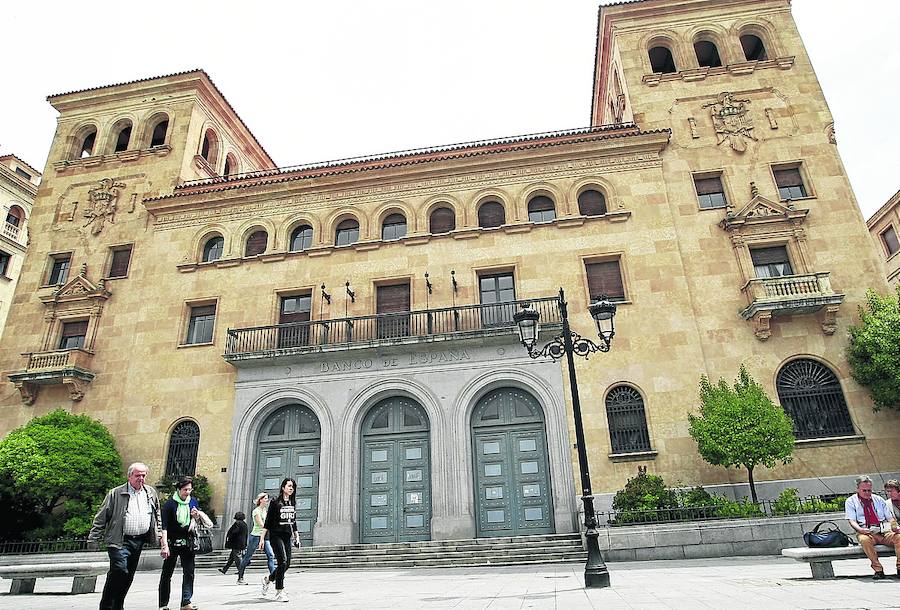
(69,367)
(299,340)
(789,296)
(11,231)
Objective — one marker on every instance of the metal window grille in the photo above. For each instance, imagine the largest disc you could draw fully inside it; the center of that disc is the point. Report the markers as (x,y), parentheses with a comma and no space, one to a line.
(627,421)
(183,446)
(812,397)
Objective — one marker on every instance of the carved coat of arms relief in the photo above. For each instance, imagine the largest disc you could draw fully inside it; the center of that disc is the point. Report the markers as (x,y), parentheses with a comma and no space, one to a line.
(102,203)
(731,120)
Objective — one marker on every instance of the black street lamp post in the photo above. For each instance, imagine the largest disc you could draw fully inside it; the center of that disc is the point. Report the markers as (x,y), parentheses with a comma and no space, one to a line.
(569,343)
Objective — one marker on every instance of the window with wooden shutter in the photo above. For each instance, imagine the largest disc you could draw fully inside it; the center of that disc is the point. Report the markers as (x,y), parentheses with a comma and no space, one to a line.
(391,302)
(541,209)
(771,262)
(119,262)
(491,214)
(790,183)
(591,203)
(256,243)
(200,325)
(73,334)
(710,192)
(443,220)
(605,278)
(394,227)
(294,311)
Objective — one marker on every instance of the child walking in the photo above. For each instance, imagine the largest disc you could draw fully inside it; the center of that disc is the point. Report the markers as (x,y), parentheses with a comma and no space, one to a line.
(236,540)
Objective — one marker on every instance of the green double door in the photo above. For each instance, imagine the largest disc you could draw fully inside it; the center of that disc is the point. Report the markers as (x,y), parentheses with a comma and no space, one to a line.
(290,442)
(512,480)
(395,477)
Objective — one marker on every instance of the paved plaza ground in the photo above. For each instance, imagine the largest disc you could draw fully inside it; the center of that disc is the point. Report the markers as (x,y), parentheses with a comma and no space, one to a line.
(742,582)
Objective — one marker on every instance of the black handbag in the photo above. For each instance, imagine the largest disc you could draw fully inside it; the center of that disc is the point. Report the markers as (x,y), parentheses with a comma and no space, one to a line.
(201,543)
(825,539)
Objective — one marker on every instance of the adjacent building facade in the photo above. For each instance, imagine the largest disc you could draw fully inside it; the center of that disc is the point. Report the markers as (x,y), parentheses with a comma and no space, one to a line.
(350,324)
(884,225)
(18,186)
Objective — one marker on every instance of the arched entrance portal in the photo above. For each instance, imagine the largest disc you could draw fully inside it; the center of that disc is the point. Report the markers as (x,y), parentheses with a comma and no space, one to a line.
(395,477)
(289,444)
(512,478)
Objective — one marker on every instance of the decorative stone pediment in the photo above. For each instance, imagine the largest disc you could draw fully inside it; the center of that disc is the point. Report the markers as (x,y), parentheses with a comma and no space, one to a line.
(760,210)
(78,290)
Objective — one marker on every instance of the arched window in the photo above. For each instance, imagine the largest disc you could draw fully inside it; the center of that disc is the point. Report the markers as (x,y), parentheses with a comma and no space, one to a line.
(256,243)
(183,446)
(301,238)
(15,216)
(230,165)
(707,54)
(213,248)
(591,203)
(86,146)
(661,60)
(347,232)
(491,214)
(541,209)
(210,148)
(123,137)
(393,227)
(812,397)
(158,136)
(627,420)
(754,49)
(442,220)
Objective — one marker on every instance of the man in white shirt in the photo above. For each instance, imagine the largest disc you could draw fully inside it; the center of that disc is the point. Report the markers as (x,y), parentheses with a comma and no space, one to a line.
(866,513)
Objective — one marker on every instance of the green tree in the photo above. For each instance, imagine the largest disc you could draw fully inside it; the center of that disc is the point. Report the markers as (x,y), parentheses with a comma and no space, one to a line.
(874,351)
(61,466)
(741,426)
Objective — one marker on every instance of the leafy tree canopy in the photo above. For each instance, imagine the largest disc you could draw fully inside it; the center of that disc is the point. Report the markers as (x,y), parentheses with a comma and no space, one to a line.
(741,426)
(61,465)
(874,350)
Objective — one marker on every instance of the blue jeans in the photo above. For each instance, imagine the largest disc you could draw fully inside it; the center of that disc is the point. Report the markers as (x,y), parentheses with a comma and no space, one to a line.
(252,544)
(122,565)
(187,575)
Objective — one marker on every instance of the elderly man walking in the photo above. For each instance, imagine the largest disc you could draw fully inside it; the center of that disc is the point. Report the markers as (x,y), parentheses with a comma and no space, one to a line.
(870,516)
(130,516)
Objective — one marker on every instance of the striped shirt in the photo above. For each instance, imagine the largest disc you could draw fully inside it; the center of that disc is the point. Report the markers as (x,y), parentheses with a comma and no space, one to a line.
(137,515)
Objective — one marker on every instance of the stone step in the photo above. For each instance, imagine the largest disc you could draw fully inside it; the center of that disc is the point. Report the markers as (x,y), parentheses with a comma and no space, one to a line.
(526,559)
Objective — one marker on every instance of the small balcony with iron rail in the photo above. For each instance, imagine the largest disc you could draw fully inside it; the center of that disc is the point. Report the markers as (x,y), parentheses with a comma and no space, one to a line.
(251,346)
(69,367)
(791,295)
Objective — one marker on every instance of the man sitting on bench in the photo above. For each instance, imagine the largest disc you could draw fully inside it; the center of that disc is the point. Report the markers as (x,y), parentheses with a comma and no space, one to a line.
(870,517)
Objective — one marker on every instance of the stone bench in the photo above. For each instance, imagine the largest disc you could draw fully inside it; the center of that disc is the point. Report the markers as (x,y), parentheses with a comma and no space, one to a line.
(84,574)
(819,560)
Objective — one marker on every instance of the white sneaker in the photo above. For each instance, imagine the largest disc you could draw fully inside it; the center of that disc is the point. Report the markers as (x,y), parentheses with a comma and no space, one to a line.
(282,596)
(265,586)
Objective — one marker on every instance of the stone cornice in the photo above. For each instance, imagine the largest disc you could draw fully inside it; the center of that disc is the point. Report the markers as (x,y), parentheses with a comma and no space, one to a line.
(18,182)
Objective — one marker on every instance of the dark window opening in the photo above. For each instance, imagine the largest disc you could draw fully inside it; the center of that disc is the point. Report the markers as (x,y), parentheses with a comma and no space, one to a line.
(347,233)
(889,237)
(491,214)
(811,395)
(183,447)
(230,164)
(213,249)
(73,334)
(123,139)
(159,133)
(661,60)
(496,291)
(627,421)
(771,262)
(14,217)
(256,243)
(87,145)
(790,183)
(541,209)
(200,325)
(591,203)
(605,278)
(710,192)
(4,263)
(209,150)
(443,220)
(391,303)
(754,49)
(23,173)
(707,54)
(294,311)
(118,265)
(301,238)
(59,272)
(394,227)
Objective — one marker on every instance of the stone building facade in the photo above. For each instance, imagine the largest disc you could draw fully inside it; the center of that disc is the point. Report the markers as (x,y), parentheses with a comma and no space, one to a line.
(18,185)
(884,226)
(349,324)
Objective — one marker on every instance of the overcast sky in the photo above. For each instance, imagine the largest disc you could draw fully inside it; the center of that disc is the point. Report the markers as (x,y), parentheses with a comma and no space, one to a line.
(326,80)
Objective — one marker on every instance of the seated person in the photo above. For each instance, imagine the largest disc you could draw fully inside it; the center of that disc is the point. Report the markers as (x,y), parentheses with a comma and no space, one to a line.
(892,489)
(866,512)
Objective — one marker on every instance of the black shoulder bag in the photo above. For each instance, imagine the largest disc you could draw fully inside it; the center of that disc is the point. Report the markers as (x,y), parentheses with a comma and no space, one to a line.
(825,539)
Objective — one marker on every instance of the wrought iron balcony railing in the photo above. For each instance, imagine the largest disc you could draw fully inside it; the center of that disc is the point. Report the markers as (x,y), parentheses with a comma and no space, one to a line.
(383,329)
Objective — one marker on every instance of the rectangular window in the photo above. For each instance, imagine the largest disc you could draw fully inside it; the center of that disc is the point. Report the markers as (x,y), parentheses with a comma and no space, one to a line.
(119,261)
(4,262)
(605,278)
(889,238)
(73,334)
(200,324)
(59,269)
(295,311)
(391,302)
(710,192)
(495,290)
(23,173)
(771,262)
(789,182)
